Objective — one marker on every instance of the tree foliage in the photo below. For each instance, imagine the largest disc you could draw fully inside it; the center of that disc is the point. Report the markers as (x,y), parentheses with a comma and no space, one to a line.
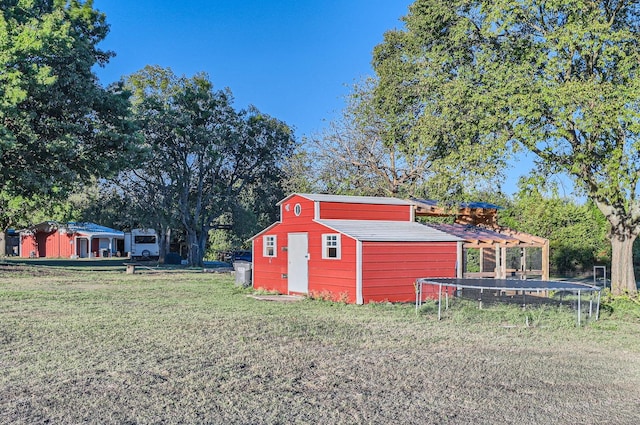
(577,232)
(362,153)
(556,77)
(254,208)
(352,158)
(58,126)
(202,154)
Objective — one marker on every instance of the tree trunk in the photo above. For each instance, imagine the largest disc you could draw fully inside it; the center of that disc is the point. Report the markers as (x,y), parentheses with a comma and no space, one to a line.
(623,280)
(196,248)
(3,243)
(164,240)
(204,237)
(623,233)
(192,242)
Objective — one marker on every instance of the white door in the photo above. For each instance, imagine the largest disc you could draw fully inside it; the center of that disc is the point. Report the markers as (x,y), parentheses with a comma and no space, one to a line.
(298,268)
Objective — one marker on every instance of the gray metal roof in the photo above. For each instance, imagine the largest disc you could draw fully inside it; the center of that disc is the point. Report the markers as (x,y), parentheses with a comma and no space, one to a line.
(388,231)
(350,199)
(88,229)
(93,229)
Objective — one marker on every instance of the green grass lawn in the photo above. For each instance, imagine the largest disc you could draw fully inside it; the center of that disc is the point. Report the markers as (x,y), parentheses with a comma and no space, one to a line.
(186,347)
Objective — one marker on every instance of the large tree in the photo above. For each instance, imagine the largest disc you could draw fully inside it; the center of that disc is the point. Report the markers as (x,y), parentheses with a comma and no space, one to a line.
(558,78)
(351,157)
(202,153)
(58,125)
(361,153)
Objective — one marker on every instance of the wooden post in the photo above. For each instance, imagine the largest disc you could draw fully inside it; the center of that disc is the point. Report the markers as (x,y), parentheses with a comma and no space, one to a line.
(131,268)
(545,261)
(498,267)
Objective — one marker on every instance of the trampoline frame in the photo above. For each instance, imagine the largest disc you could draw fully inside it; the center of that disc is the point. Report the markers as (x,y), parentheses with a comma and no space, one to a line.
(536,286)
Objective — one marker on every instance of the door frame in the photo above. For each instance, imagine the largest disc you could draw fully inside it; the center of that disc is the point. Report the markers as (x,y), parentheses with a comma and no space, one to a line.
(298,264)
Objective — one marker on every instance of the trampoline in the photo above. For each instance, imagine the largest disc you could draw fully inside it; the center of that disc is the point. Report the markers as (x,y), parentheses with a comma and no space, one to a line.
(501,286)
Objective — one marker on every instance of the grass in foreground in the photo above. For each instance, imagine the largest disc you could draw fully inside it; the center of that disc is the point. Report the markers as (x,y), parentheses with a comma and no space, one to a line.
(179,347)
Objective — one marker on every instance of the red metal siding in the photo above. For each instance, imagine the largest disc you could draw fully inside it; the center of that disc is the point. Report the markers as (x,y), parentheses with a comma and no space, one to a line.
(335,276)
(47,245)
(53,245)
(287,209)
(330,275)
(355,211)
(268,272)
(28,245)
(58,245)
(66,246)
(389,270)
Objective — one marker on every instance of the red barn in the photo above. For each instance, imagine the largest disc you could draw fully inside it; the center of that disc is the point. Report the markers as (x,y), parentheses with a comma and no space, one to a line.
(353,248)
(70,240)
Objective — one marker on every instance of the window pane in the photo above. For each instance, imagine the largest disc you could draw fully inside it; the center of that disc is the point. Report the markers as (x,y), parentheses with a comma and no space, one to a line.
(269,246)
(331,246)
(145,239)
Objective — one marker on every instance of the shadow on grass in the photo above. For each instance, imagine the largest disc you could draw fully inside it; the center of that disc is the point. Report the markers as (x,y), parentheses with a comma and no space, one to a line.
(88,264)
(558,310)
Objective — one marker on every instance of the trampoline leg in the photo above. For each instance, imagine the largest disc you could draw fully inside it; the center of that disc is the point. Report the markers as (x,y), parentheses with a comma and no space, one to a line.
(598,307)
(579,308)
(439,301)
(417,295)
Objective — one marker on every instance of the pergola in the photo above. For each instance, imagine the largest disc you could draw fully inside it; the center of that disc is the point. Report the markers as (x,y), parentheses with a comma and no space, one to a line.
(476,224)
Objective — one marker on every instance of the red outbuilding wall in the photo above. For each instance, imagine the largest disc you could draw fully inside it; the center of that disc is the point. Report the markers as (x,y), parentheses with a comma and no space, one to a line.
(269,272)
(336,276)
(27,246)
(390,269)
(355,211)
(49,245)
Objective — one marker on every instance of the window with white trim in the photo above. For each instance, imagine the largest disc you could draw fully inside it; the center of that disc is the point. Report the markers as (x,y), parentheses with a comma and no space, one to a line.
(331,245)
(269,246)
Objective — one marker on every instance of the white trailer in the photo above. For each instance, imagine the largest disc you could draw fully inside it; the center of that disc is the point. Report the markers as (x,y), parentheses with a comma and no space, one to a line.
(142,244)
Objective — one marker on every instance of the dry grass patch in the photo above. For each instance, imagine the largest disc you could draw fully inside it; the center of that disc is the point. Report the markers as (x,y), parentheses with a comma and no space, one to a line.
(192,348)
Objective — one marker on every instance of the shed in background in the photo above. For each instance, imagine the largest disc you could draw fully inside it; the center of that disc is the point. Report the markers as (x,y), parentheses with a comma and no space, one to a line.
(52,239)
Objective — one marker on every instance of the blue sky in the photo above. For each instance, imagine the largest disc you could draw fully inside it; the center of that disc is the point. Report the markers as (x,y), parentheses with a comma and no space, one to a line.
(293,59)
